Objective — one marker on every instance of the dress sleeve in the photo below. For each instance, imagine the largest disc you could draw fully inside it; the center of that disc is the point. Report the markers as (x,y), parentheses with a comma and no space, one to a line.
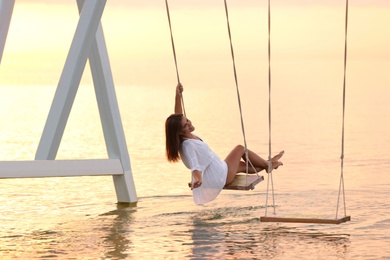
(190,153)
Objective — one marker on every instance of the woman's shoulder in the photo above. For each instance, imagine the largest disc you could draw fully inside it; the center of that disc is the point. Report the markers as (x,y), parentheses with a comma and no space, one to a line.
(188,142)
(191,141)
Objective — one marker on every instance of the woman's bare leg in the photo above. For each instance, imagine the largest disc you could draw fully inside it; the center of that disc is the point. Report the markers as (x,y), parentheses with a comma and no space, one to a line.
(235,165)
(233,161)
(261,164)
(242,168)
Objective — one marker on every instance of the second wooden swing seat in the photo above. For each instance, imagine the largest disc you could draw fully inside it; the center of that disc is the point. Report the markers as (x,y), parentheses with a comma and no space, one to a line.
(308,220)
(299,218)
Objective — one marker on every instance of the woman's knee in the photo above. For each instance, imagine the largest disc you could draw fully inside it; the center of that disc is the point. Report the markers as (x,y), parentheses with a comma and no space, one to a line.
(235,155)
(239,148)
(237,152)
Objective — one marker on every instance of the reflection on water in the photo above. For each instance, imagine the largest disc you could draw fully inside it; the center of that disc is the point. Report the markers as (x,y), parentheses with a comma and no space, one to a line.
(222,233)
(173,227)
(249,239)
(114,237)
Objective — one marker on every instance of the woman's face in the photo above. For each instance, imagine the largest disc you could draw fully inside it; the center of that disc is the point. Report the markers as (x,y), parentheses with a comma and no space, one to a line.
(186,126)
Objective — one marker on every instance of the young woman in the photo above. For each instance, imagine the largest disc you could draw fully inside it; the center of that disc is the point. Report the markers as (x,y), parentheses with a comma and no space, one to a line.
(209,173)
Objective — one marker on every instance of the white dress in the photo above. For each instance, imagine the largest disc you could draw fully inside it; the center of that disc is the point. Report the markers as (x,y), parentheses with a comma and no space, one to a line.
(196,155)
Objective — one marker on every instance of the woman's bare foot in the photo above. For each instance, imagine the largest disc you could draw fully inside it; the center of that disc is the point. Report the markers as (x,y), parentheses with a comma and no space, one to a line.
(278,156)
(275,165)
(275,161)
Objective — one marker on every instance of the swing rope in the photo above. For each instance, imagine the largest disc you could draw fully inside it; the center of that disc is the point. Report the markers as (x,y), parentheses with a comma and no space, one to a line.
(341,185)
(238,92)
(270,179)
(174,54)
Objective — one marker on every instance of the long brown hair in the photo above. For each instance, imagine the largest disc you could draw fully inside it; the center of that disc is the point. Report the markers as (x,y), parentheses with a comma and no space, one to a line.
(173,138)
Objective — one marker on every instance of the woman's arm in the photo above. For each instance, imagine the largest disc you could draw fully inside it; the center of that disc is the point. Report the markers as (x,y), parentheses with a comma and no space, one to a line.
(178,105)
(196,179)
(190,159)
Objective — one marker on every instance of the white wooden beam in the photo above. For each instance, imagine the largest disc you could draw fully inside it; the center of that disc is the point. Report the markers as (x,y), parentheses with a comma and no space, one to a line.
(60,168)
(6,10)
(110,115)
(70,79)
(89,42)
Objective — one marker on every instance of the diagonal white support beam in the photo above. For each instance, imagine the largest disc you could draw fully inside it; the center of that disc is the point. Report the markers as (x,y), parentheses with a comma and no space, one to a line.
(70,79)
(89,41)
(6,9)
(110,115)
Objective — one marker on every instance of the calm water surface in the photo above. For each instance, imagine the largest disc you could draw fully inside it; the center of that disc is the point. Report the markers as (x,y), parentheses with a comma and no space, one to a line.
(78,218)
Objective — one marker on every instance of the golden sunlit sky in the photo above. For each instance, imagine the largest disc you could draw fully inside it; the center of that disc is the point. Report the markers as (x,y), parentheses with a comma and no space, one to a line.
(138,40)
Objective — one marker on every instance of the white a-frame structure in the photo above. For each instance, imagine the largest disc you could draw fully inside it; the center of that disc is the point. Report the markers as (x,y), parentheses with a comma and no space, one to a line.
(88,42)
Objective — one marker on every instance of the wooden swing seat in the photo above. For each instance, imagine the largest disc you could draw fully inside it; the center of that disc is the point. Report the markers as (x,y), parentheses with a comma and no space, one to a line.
(312,220)
(244,182)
